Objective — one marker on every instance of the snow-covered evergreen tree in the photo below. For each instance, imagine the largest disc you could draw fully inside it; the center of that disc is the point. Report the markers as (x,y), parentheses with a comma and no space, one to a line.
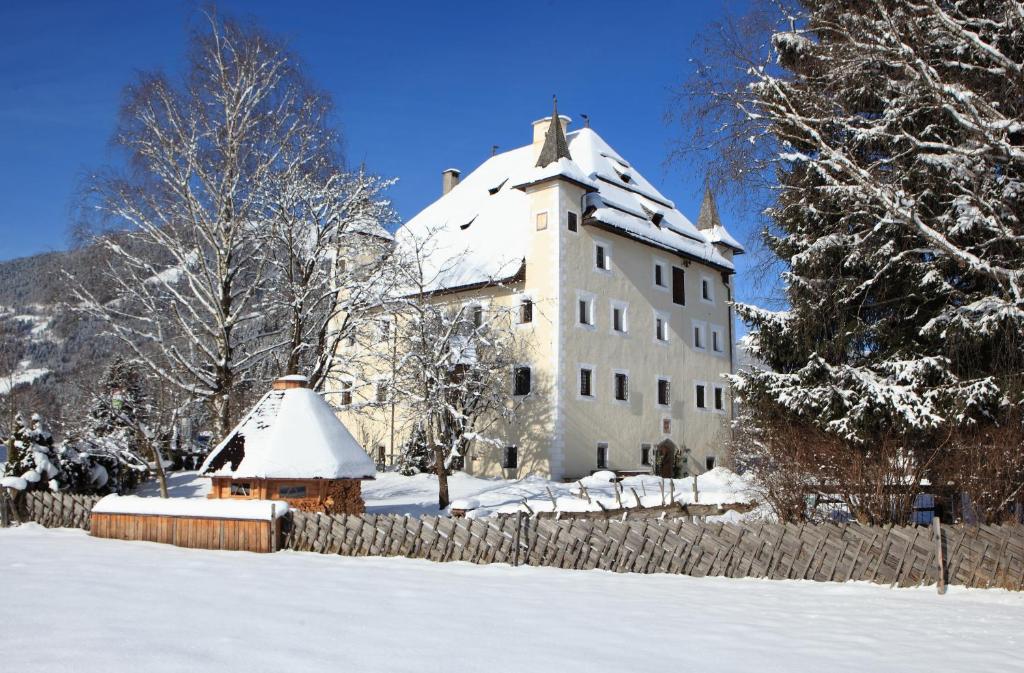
(898,131)
(34,461)
(112,436)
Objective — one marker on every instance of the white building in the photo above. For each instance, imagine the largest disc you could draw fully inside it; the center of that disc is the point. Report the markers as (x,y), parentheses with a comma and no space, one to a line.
(628,312)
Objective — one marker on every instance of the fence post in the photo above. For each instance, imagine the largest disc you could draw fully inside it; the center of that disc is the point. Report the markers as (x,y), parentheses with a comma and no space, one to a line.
(519,530)
(5,515)
(939,560)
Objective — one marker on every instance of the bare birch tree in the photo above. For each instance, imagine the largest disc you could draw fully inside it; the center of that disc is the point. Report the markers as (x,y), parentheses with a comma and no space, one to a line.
(209,159)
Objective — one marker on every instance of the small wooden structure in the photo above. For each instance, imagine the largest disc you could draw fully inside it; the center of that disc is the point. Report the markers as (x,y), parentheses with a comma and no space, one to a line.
(190,522)
(292,447)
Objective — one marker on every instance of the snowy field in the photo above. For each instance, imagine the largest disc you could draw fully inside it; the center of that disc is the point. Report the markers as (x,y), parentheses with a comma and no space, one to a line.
(392,493)
(84,605)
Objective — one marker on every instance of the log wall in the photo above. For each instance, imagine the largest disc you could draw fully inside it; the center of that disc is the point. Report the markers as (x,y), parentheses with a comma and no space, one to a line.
(192,532)
(974,556)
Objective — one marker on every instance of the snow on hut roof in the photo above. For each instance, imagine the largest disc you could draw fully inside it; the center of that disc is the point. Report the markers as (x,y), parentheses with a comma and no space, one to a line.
(478,232)
(204,507)
(290,434)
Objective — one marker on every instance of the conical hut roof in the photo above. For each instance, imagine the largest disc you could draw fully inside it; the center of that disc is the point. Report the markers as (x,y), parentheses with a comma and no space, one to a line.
(291,433)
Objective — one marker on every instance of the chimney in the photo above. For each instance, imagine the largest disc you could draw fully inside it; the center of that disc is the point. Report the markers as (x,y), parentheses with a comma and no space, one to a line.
(540,128)
(290,381)
(449,178)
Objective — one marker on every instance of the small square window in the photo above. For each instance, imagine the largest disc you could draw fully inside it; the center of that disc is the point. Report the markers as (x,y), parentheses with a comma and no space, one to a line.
(716,341)
(621,386)
(701,403)
(709,463)
(705,289)
(586,382)
(698,336)
(241,488)
(573,221)
(478,316)
(384,329)
(664,392)
(586,312)
(542,221)
(510,457)
(346,393)
(645,454)
(382,391)
(521,385)
(602,456)
(719,399)
(617,319)
(525,311)
(659,275)
(600,257)
(666,426)
(660,328)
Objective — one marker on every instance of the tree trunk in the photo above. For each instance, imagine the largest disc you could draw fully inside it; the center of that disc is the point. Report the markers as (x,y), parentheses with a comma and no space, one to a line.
(442,478)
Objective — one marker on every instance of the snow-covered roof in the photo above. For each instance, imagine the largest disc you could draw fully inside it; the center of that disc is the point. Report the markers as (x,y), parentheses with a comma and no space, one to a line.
(478,231)
(290,434)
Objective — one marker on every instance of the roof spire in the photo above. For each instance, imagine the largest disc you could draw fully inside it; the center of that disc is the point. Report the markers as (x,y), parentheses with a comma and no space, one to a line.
(708,217)
(555,147)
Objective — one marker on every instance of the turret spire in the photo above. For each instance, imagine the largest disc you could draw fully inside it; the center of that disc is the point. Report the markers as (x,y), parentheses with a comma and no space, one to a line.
(708,217)
(555,146)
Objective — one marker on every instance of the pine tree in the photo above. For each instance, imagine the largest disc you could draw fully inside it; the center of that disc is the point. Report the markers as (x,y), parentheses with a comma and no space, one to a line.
(34,458)
(900,175)
(112,437)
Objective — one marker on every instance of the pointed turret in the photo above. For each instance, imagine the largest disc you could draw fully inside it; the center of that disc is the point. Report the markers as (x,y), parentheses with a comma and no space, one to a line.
(555,146)
(708,218)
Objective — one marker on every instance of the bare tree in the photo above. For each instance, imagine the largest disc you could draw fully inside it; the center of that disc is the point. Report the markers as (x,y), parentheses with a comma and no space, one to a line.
(330,258)
(457,364)
(210,158)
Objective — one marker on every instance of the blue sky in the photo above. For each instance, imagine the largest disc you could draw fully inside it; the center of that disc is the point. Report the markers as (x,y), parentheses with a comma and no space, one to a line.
(419,87)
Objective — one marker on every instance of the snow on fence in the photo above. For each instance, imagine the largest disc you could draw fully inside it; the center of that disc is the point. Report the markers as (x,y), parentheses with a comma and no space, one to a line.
(975,556)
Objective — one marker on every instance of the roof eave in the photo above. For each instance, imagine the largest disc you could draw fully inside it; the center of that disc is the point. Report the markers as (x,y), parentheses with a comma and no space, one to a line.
(611,228)
(586,187)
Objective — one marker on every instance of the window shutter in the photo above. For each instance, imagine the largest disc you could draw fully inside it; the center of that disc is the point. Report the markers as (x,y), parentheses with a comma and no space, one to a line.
(678,286)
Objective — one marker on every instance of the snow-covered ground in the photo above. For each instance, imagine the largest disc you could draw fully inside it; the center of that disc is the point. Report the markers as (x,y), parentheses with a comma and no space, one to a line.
(392,492)
(84,605)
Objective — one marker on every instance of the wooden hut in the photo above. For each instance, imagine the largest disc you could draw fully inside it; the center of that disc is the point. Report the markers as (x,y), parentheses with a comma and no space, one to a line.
(291,446)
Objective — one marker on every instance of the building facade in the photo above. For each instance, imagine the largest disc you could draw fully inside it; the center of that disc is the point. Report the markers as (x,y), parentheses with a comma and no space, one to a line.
(623,301)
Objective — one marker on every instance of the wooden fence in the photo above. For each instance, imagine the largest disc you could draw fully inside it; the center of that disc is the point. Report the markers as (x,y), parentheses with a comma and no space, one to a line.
(53,510)
(975,556)
(190,531)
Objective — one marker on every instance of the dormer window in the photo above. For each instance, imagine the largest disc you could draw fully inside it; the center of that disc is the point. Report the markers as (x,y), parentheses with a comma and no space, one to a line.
(494,190)
(657,218)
